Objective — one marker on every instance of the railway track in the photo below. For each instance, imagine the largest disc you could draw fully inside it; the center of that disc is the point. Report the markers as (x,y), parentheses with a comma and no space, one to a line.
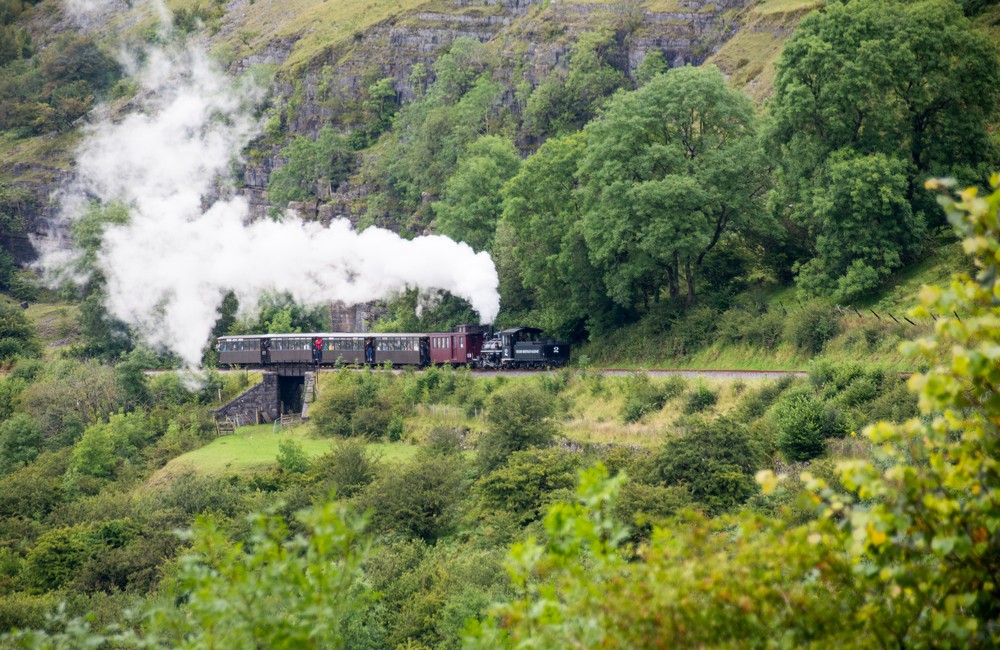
(612,372)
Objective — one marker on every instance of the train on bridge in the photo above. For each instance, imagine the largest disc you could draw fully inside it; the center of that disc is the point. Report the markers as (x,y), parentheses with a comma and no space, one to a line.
(516,348)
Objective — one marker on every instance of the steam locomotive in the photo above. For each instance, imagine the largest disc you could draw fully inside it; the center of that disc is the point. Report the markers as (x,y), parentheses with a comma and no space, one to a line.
(468,345)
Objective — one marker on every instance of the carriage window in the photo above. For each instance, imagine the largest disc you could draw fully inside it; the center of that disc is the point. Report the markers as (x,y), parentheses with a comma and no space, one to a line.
(461,341)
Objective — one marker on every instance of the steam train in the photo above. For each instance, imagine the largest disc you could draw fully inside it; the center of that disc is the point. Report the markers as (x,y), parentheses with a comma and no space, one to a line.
(468,345)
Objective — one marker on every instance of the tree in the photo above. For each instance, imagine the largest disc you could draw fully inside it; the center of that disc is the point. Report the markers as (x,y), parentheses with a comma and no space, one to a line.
(715,462)
(292,457)
(431,133)
(277,592)
(901,554)
(310,166)
(17,333)
(670,169)
(528,480)
(471,202)
(548,248)
(865,226)
(103,336)
(884,95)
(421,499)
(104,446)
(20,441)
(566,101)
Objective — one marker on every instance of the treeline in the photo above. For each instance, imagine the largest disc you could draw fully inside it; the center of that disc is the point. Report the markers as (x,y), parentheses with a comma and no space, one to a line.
(672,186)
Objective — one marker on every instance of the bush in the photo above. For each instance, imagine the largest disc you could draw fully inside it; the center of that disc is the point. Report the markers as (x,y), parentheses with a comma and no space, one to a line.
(700,399)
(755,403)
(20,442)
(17,333)
(26,611)
(56,557)
(445,441)
(370,404)
(804,424)
(642,506)
(518,418)
(526,483)
(715,462)
(643,396)
(291,457)
(105,446)
(810,327)
(420,499)
(34,490)
(753,328)
(348,468)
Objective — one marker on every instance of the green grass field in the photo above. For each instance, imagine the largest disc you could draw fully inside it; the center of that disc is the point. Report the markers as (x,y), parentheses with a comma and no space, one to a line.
(256,447)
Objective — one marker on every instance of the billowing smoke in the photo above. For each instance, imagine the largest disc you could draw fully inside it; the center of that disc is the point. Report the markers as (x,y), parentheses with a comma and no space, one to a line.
(169,268)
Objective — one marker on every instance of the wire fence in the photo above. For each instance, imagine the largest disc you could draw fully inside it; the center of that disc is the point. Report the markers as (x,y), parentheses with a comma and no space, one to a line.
(845,310)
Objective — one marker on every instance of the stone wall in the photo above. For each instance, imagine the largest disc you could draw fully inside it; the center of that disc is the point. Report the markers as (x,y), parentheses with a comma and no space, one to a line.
(257,401)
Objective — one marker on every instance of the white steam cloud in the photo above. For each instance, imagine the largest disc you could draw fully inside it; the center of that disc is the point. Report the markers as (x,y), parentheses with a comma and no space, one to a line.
(170,266)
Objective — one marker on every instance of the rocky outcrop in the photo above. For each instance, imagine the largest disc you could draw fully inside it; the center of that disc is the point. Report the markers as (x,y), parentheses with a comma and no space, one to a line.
(532,38)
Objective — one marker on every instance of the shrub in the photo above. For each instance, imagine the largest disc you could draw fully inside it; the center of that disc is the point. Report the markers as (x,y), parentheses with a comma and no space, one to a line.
(420,499)
(445,441)
(291,457)
(643,396)
(348,468)
(642,506)
(715,462)
(525,484)
(694,330)
(34,490)
(105,446)
(700,399)
(755,403)
(26,611)
(763,330)
(810,327)
(17,333)
(56,557)
(804,424)
(20,441)
(370,404)
(518,418)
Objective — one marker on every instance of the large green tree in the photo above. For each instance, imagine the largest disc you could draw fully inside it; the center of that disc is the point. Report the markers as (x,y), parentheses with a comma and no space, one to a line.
(913,82)
(471,203)
(668,171)
(865,227)
(542,207)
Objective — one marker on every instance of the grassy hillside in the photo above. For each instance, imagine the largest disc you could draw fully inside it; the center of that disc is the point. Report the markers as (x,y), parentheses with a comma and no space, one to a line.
(859,335)
(256,447)
(749,57)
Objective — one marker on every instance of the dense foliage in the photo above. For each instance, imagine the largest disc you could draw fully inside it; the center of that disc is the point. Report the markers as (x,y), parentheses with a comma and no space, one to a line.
(898,549)
(603,202)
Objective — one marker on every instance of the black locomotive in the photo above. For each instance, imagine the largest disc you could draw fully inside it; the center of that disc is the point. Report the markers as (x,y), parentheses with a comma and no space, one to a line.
(468,345)
(522,347)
